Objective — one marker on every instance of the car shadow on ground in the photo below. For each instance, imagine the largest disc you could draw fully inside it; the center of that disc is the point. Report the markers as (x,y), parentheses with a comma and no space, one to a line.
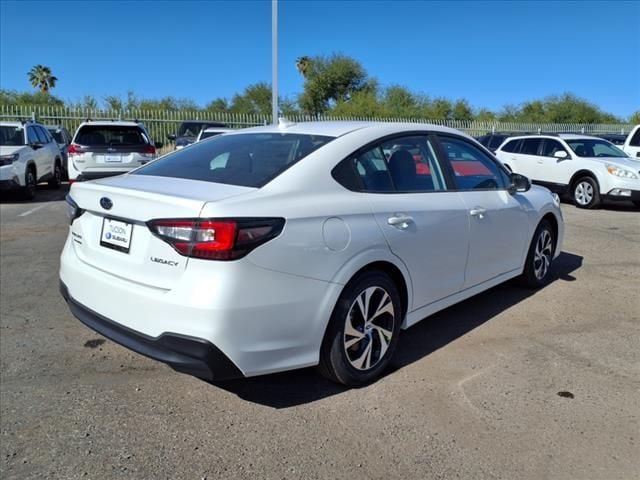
(288,389)
(43,194)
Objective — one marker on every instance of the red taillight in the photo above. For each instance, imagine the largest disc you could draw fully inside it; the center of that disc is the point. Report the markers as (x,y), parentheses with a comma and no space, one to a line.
(74,149)
(149,150)
(213,239)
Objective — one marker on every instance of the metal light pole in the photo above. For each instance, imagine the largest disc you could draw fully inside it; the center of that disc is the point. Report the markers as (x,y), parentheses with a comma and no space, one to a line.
(274,61)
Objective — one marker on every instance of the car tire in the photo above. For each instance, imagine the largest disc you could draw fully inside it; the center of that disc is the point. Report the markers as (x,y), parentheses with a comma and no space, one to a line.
(540,256)
(363,331)
(29,189)
(585,193)
(56,180)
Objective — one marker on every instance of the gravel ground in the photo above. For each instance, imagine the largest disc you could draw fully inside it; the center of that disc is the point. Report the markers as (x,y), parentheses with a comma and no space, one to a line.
(509,384)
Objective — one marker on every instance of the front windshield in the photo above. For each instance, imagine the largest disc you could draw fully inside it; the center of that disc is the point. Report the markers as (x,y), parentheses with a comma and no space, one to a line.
(11,136)
(588,147)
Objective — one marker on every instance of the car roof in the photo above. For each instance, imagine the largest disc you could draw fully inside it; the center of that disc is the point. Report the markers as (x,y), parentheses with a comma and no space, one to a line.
(11,124)
(119,123)
(564,136)
(218,129)
(337,129)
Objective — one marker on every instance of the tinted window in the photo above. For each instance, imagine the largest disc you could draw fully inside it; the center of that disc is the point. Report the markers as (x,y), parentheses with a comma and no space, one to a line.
(472,168)
(209,135)
(249,160)
(11,136)
(413,165)
(58,135)
(530,146)
(635,141)
(43,135)
(511,147)
(192,129)
(496,141)
(111,135)
(550,147)
(31,135)
(371,167)
(587,147)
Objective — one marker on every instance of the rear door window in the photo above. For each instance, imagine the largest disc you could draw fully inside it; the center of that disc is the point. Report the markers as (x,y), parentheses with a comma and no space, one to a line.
(249,160)
(530,146)
(635,140)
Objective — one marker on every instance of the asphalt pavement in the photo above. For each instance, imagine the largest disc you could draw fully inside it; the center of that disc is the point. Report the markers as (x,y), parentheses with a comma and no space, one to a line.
(510,384)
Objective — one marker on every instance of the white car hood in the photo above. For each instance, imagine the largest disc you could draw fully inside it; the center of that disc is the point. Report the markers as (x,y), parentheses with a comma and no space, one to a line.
(627,163)
(8,150)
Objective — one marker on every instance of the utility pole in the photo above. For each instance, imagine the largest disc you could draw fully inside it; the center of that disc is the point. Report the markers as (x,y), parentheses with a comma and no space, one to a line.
(274,61)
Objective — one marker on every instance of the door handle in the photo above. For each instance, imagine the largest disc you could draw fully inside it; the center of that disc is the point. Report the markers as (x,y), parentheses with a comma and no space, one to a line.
(400,220)
(478,212)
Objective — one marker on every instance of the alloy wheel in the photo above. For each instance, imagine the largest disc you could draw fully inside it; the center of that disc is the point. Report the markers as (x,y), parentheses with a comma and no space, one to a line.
(583,193)
(542,254)
(369,328)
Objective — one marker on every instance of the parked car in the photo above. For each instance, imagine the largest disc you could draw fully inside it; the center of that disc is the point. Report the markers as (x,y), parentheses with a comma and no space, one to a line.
(631,145)
(275,248)
(212,132)
(616,139)
(28,156)
(62,137)
(493,140)
(587,168)
(107,148)
(189,130)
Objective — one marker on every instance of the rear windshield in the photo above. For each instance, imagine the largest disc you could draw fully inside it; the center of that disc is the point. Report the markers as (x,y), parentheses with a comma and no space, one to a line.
(248,160)
(111,135)
(594,148)
(11,136)
(209,134)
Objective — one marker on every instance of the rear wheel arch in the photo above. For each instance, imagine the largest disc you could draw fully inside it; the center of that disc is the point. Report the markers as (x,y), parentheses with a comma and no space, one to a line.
(551,218)
(31,165)
(396,276)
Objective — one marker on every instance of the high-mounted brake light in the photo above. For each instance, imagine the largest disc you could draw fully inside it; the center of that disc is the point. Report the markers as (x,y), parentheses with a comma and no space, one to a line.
(216,239)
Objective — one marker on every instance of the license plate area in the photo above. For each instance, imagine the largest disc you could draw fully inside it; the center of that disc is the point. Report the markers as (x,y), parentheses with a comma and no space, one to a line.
(113,158)
(116,234)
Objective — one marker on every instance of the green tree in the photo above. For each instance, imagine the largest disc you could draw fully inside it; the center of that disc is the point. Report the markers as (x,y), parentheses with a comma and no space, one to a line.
(302,65)
(462,111)
(485,115)
(218,105)
(330,80)
(635,118)
(14,98)
(41,78)
(254,100)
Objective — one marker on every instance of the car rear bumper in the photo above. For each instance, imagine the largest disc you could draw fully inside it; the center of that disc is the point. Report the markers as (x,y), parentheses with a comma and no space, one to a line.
(261,320)
(185,354)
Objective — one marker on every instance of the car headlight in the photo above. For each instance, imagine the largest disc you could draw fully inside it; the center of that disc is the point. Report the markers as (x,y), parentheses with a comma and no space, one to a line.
(8,159)
(620,172)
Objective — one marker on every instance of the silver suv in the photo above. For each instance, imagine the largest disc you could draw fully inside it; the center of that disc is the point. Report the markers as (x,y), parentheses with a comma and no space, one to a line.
(28,156)
(106,148)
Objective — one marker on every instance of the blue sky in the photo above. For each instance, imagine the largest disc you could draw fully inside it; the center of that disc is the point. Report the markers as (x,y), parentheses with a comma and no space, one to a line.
(491,53)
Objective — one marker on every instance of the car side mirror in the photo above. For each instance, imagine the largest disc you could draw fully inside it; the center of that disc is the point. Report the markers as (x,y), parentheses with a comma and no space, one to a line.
(561,154)
(35,145)
(519,183)
(159,144)
(171,136)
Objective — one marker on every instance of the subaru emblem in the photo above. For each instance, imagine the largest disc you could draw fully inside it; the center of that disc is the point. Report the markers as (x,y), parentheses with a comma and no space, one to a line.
(106,203)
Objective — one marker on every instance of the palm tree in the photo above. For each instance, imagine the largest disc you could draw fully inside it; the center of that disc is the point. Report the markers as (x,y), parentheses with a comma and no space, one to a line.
(40,77)
(303,64)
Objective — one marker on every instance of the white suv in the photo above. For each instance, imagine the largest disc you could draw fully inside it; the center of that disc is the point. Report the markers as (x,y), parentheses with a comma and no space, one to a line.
(631,145)
(587,168)
(106,148)
(28,156)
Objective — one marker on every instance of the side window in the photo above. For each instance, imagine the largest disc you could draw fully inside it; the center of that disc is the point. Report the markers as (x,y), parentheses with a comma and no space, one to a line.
(31,136)
(43,135)
(635,140)
(413,164)
(511,147)
(472,168)
(550,147)
(530,146)
(371,167)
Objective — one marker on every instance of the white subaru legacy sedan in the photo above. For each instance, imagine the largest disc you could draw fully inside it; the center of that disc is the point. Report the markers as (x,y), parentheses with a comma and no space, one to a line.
(282,247)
